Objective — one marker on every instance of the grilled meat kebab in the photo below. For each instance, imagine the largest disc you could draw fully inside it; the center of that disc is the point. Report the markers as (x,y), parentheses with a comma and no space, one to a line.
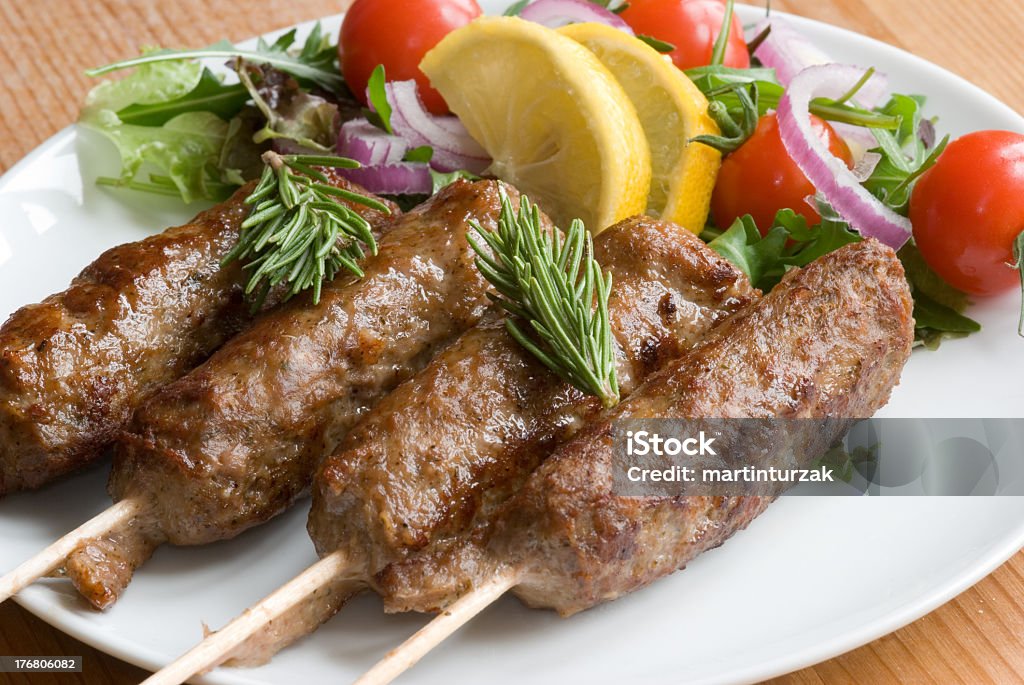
(235,442)
(464,432)
(74,367)
(830,341)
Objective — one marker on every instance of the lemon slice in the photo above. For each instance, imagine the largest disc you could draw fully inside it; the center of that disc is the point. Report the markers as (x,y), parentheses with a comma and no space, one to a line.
(672,110)
(557,124)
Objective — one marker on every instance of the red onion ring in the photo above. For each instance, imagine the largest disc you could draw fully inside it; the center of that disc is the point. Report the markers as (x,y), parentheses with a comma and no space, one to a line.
(365,143)
(400,178)
(789,52)
(830,176)
(786,50)
(555,13)
(453,147)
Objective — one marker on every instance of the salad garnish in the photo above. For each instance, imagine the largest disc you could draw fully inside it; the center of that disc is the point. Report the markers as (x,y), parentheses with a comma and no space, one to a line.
(557,288)
(183,131)
(297,234)
(850,152)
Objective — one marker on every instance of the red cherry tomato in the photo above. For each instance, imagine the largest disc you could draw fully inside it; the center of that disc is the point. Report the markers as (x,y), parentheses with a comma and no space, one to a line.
(690,25)
(968,210)
(397,33)
(760,178)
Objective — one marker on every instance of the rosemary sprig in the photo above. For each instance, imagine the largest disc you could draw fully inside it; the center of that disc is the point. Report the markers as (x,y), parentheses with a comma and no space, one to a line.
(297,233)
(558,288)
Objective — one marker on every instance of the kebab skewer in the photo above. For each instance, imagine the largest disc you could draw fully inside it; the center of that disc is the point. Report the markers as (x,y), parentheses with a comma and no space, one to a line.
(829,342)
(446,446)
(235,442)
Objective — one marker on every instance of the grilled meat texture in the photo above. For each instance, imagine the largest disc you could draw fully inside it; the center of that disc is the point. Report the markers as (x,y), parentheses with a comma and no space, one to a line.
(829,341)
(452,443)
(446,446)
(75,366)
(235,442)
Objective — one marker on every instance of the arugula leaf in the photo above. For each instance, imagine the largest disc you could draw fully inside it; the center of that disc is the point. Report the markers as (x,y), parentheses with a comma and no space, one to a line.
(789,243)
(315,63)
(379,100)
(893,179)
(924,280)
(737,98)
(423,153)
(209,95)
(442,179)
(743,245)
(905,152)
(938,306)
(929,314)
(811,243)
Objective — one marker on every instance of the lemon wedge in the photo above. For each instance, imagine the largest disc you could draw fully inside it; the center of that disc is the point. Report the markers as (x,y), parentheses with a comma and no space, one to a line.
(672,110)
(557,124)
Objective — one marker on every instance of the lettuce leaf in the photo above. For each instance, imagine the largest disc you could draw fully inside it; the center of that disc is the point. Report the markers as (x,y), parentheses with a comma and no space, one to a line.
(185,150)
(292,114)
(177,157)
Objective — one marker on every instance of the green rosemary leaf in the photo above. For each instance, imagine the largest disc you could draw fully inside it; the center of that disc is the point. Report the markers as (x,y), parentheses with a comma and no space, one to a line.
(554,286)
(297,234)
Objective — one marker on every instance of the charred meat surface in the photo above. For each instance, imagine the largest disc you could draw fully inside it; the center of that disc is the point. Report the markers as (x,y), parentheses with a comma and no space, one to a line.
(75,366)
(452,443)
(830,340)
(235,442)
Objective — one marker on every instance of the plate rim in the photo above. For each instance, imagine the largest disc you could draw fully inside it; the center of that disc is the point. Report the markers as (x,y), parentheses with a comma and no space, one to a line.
(74,625)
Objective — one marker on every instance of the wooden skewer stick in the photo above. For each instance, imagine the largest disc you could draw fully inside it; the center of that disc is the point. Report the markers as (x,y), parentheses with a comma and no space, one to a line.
(220,646)
(53,556)
(402,658)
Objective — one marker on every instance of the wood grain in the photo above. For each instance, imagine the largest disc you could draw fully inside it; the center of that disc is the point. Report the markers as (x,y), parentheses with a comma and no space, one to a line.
(45,45)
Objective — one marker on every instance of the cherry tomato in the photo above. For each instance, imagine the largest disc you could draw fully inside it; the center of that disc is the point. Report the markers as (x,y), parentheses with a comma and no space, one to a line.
(968,210)
(760,178)
(692,26)
(397,33)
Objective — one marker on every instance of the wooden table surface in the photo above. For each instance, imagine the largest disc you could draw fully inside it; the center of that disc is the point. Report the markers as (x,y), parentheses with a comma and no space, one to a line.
(45,44)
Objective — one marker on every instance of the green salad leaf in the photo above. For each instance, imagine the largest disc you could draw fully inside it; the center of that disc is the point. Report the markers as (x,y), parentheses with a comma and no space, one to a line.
(291,113)
(757,256)
(905,153)
(182,151)
(210,94)
(422,154)
(938,306)
(181,130)
(788,243)
(183,154)
(380,109)
(315,64)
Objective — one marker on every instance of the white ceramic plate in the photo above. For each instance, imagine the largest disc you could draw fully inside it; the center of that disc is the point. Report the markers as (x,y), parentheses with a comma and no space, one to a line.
(810,579)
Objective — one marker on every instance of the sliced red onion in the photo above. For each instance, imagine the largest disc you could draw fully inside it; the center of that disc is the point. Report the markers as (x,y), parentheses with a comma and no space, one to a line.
(555,13)
(786,50)
(400,178)
(789,52)
(866,166)
(830,176)
(362,141)
(859,139)
(453,147)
